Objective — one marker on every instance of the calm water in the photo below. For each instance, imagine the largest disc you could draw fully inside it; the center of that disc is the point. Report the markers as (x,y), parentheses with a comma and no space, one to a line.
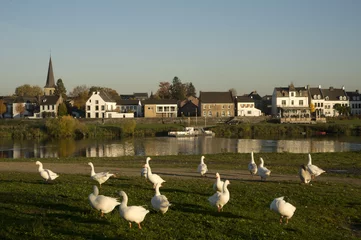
(170,146)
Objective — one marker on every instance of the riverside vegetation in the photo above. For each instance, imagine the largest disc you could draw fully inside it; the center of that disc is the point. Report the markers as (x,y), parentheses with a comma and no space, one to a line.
(69,127)
(330,209)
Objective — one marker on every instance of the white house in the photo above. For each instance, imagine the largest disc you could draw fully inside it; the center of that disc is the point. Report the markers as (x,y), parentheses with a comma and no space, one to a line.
(332,97)
(245,106)
(100,105)
(290,102)
(355,102)
(130,106)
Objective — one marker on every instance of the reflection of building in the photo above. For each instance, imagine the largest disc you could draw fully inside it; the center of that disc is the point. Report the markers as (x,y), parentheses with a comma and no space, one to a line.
(249,145)
(111,150)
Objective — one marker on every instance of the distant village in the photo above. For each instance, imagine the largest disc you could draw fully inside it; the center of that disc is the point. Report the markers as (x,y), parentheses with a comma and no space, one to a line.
(289,104)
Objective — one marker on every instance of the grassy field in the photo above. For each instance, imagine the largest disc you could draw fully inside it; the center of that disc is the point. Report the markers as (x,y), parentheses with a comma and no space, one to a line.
(32,209)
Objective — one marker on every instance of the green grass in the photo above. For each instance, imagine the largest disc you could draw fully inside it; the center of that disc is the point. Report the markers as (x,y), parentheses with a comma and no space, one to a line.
(32,209)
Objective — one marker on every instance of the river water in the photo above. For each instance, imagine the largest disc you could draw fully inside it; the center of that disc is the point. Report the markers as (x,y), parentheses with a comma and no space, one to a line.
(170,146)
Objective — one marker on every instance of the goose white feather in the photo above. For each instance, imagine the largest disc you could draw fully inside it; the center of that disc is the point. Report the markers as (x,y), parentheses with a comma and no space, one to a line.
(159,201)
(313,169)
(219,199)
(283,208)
(132,213)
(263,172)
(100,177)
(305,176)
(154,178)
(47,174)
(252,166)
(218,185)
(143,172)
(202,167)
(102,203)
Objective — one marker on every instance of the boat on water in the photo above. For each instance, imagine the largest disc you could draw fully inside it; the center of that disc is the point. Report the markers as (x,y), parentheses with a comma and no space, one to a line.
(191,132)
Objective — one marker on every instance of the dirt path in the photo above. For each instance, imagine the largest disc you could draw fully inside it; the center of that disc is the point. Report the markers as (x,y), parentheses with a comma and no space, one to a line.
(75,168)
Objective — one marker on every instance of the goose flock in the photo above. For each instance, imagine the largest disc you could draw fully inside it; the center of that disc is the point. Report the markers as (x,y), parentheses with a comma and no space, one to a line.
(160,203)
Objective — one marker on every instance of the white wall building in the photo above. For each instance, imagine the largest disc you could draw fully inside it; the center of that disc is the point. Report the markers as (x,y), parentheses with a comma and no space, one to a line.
(245,106)
(290,101)
(100,105)
(355,102)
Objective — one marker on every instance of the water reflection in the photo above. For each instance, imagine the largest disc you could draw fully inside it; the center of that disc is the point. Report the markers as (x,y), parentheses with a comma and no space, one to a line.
(169,146)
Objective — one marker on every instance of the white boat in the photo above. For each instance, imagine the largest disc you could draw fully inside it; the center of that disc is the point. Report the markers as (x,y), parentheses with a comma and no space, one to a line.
(191,132)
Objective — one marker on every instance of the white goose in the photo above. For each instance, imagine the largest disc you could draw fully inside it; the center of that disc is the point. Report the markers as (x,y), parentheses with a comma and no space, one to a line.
(154,178)
(143,172)
(263,172)
(252,166)
(218,185)
(283,208)
(46,173)
(102,203)
(202,167)
(219,199)
(132,213)
(100,177)
(160,202)
(313,169)
(305,176)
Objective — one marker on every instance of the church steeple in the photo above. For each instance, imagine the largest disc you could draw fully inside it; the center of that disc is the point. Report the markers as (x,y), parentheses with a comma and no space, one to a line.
(49,87)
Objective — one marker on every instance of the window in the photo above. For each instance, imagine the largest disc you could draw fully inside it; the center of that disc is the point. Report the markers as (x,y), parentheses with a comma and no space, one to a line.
(97,115)
(210,113)
(172,109)
(88,116)
(251,106)
(283,102)
(204,113)
(222,106)
(96,102)
(96,108)
(228,113)
(88,108)
(223,114)
(204,106)
(292,102)
(159,109)
(103,107)
(321,104)
(292,94)
(209,106)
(229,106)
(166,109)
(52,107)
(90,100)
(249,112)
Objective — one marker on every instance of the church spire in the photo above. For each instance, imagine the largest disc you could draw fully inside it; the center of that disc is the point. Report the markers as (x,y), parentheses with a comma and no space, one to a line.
(49,87)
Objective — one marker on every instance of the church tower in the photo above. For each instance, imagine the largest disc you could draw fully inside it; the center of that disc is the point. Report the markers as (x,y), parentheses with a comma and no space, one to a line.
(49,88)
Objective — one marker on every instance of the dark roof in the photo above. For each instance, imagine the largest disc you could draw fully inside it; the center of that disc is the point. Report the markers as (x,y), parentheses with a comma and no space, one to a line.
(286,90)
(50,83)
(159,101)
(127,102)
(351,95)
(140,95)
(244,99)
(49,100)
(255,95)
(8,99)
(215,97)
(105,97)
(126,96)
(315,92)
(333,93)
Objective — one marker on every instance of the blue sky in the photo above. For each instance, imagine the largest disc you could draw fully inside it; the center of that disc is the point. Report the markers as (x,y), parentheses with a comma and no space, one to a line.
(131,46)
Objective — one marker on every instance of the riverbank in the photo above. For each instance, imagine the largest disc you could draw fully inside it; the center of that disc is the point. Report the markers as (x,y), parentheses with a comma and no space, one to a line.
(120,128)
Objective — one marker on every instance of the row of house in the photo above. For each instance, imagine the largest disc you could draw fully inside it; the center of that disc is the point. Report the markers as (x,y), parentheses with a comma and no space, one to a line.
(286,102)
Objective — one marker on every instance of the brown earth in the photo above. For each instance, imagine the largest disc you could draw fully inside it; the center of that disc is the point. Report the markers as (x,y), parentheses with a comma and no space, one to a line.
(77,168)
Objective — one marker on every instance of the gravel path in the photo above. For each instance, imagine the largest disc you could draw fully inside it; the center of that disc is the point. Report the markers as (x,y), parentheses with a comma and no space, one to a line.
(77,168)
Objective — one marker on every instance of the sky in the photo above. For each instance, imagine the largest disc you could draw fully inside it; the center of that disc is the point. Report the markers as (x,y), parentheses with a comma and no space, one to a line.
(132,46)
